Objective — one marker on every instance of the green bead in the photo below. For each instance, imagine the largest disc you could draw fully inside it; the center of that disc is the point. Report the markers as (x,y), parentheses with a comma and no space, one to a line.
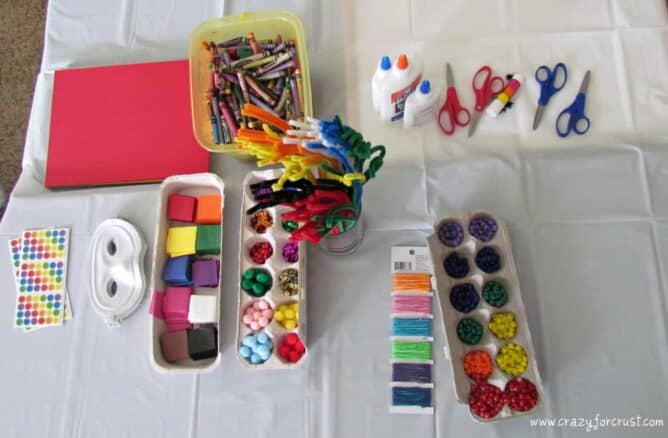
(469,331)
(495,294)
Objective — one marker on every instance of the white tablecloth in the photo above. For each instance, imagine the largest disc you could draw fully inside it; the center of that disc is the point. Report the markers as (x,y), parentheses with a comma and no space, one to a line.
(588,218)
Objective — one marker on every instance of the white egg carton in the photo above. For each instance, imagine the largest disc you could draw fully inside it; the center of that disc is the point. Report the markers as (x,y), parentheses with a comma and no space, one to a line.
(507,276)
(194,185)
(278,237)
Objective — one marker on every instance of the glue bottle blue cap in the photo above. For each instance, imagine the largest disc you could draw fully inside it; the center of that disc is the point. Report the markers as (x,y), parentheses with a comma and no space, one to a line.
(385,63)
(425,87)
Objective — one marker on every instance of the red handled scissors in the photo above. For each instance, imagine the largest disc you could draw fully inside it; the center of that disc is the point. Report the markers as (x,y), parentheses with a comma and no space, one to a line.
(457,115)
(485,88)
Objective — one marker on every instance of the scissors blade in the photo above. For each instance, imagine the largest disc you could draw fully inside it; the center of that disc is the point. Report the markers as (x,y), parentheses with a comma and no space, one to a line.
(448,75)
(539,115)
(585,83)
(474,122)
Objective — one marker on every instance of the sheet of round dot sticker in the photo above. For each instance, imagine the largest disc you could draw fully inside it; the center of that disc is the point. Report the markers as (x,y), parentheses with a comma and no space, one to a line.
(39,259)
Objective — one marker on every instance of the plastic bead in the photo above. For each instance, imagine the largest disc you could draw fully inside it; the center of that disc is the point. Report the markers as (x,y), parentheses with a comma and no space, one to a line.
(503,325)
(469,331)
(485,400)
(478,365)
(483,227)
(495,294)
(464,297)
(451,233)
(521,394)
(456,266)
(488,260)
(512,359)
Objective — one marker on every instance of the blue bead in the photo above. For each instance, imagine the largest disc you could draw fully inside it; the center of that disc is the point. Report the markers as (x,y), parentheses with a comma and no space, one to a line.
(245,352)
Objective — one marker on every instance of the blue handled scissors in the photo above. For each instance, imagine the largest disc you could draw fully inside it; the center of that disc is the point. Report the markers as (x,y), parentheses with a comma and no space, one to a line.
(550,83)
(573,118)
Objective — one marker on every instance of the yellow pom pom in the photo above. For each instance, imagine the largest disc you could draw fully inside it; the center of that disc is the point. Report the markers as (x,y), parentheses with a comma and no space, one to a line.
(278,316)
(289,314)
(290,324)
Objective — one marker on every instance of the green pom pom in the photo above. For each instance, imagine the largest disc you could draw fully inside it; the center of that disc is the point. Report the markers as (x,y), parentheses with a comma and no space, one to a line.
(246,284)
(263,278)
(258,289)
(249,274)
(290,226)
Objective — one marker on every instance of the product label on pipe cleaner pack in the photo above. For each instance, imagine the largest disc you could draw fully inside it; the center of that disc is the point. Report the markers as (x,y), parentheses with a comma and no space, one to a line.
(411,336)
(39,262)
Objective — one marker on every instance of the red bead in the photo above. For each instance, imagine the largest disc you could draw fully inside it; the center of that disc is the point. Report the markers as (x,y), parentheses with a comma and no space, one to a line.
(521,394)
(485,400)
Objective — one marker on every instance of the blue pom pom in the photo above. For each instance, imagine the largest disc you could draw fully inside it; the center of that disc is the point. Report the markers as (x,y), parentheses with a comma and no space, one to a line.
(245,352)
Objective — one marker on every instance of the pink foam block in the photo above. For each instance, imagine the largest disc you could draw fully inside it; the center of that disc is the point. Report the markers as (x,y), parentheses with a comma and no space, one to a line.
(176,326)
(176,301)
(155,308)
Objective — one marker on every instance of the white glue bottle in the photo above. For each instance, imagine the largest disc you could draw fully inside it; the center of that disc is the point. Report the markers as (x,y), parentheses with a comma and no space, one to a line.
(420,106)
(400,83)
(378,80)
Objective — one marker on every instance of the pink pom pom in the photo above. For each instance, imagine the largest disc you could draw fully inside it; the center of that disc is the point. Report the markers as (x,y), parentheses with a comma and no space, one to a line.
(262,322)
(262,305)
(254,326)
(268,313)
(247,319)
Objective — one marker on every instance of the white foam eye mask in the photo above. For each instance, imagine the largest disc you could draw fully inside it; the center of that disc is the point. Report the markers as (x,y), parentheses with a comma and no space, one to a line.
(118,281)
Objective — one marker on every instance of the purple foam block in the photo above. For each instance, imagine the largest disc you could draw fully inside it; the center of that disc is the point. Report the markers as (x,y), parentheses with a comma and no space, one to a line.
(205,272)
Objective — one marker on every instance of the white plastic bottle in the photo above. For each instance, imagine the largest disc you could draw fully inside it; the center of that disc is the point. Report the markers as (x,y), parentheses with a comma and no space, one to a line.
(401,82)
(378,81)
(420,106)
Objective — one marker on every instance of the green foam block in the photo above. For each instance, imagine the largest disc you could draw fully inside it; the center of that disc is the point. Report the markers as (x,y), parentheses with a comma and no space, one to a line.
(208,239)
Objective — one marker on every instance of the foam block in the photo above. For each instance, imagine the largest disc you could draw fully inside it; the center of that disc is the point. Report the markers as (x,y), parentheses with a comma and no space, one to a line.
(175,303)
(176,326)
(205,272)
(208,239)
(181,208)
(181,241)
(174,345)
(177,271)
(202,343)
(202,309)
(209,209)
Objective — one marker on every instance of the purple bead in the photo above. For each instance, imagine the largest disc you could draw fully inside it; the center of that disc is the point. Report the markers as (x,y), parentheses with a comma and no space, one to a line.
(450,233)
(291,252)
(464,297)
(456,266)
(483,227)
(488,260)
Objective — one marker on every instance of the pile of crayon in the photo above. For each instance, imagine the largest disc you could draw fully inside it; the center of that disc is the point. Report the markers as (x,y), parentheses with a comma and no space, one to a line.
(264,73)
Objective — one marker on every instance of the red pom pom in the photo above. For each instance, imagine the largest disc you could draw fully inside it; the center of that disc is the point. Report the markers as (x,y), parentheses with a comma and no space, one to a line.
(291,339)
(294,356)
(299,347)
(284,351)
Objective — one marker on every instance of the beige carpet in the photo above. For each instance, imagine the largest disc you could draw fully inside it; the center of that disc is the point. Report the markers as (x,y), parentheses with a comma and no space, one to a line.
(21,42)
